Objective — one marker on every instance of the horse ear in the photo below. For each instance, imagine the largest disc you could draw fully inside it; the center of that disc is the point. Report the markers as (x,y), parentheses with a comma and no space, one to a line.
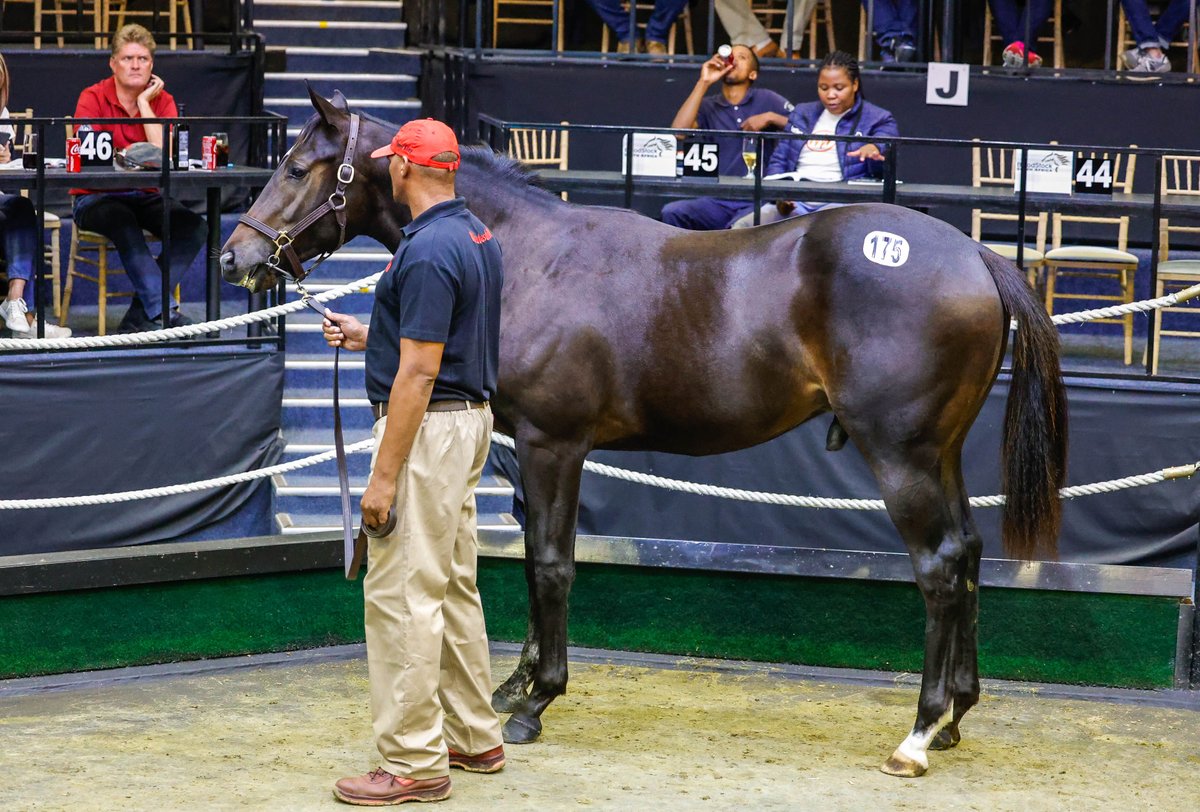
(339,101)
(327,110)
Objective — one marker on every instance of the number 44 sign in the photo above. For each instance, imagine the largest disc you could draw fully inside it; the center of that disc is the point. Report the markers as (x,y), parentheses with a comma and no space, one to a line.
(1094,176)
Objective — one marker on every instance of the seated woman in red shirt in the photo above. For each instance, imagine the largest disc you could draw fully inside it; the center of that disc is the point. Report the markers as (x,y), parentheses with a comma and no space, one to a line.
(134,92)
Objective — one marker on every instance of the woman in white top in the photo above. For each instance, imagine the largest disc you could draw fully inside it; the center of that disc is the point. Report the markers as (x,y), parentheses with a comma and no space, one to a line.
(18,226)
(840,110)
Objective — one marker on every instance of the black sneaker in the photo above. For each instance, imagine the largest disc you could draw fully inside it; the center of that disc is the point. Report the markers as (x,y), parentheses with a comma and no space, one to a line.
(135,319)
(178,319)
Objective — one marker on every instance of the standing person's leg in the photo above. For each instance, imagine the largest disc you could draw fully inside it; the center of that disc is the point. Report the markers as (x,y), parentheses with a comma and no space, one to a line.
(471,725)
(742,25)
(115,217)
(658,27)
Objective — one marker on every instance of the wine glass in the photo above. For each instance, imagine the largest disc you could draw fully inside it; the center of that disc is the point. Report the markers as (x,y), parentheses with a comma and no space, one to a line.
(750,154)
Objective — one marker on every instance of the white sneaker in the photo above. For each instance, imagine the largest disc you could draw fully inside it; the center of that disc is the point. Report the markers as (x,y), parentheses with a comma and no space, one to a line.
(13,312)
(54,331)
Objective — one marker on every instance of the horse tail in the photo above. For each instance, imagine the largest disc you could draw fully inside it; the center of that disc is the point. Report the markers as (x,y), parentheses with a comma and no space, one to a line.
(1034,455)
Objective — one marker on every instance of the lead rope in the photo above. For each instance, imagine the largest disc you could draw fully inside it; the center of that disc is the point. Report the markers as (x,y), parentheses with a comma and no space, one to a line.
(352,549)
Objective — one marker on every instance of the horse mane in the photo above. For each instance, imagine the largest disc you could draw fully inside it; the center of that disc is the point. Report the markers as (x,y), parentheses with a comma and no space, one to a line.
(505,169)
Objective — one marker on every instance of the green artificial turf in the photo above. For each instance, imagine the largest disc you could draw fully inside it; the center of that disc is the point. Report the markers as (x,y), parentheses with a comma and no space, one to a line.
(1025,635)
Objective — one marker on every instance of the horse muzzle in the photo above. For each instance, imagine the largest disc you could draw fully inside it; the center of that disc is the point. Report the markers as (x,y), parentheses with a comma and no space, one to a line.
(253,275)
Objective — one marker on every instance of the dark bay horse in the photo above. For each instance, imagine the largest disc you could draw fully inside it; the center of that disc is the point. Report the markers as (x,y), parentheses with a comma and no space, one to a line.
(619,332)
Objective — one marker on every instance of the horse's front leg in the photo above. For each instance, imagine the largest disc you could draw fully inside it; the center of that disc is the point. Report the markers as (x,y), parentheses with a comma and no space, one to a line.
(550,472)
(511,696)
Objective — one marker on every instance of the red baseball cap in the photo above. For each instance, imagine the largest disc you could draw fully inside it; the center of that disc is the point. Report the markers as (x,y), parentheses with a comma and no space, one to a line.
(421,141)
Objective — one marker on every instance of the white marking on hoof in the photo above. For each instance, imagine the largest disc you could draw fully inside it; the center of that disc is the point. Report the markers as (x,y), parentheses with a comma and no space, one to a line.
(911,759)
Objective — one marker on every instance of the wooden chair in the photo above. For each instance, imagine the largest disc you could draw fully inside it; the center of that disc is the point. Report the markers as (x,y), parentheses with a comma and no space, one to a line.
(175,11)
(501,17)
(993,166)
(685,17)
(51,220)
(63,8)
(773,16)
(1179,46)
(539,147)
(89,248)
(1055,38)
(1181,176)
(1110,263)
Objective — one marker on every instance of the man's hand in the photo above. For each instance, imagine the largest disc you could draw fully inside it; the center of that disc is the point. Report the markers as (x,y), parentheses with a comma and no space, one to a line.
(714,70)
(341,330)
(377,501)
(785,207)
(153,88)
(5,154)
(764,121)
(867,152)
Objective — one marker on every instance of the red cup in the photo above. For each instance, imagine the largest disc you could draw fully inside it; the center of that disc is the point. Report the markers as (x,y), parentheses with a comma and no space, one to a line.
(73,156)
(208,151)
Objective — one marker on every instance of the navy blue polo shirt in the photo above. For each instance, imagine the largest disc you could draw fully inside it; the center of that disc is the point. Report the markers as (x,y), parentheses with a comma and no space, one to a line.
(443,285)
(716,113)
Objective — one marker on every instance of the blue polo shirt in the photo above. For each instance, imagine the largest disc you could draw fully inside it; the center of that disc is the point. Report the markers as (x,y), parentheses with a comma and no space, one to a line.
(443,285)
(716,113)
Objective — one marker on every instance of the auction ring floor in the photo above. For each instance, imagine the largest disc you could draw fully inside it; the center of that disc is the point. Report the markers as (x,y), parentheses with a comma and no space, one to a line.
(275,732)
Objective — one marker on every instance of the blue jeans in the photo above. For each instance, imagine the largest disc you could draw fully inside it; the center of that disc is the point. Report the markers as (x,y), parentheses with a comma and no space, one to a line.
(704,213)
(18,221)
(1013,23)
(122,217)
(659,25)
(1158,34)
(893,19)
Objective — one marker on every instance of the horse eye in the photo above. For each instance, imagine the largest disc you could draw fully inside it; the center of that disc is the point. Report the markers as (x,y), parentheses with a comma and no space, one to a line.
(296,172)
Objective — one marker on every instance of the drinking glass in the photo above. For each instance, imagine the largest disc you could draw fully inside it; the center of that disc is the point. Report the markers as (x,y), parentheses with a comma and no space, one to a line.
(750,154)
(222,149)
(29,152)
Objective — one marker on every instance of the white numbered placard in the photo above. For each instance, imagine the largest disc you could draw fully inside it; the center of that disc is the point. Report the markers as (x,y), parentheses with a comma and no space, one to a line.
(886,248)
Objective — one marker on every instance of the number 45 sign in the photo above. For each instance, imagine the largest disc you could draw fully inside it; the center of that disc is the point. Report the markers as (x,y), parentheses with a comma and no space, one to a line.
(1094,176)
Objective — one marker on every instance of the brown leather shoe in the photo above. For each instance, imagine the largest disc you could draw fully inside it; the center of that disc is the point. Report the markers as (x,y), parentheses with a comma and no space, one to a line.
(768,50)
(490,761)
(656,48)
(381,788)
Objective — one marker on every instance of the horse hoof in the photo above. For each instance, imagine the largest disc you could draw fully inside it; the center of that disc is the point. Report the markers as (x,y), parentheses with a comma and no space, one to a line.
(946,738)
(507,703)
(902,766)
(521,729)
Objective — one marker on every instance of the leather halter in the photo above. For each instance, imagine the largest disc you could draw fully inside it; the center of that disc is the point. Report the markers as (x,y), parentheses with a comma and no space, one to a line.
(336,203)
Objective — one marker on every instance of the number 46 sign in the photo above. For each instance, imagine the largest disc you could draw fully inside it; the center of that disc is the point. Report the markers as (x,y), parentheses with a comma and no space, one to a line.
(95,147)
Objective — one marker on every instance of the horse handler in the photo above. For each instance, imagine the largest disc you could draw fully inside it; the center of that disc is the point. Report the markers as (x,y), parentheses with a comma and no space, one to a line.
(432,353)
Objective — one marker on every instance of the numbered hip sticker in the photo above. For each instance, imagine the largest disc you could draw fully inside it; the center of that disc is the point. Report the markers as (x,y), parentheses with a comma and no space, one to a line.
(885,248)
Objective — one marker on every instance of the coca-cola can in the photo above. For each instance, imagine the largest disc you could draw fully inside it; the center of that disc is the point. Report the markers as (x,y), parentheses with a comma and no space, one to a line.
(73,156)
(208,151)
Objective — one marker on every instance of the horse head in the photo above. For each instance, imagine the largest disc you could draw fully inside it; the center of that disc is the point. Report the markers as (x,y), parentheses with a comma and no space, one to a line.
(321,195)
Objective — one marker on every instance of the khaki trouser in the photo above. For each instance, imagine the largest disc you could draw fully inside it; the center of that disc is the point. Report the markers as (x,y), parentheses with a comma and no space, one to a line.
(427,648)
(744,27)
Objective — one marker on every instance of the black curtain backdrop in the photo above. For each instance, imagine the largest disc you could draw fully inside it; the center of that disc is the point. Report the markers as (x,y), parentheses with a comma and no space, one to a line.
(108,422)
(1116,431)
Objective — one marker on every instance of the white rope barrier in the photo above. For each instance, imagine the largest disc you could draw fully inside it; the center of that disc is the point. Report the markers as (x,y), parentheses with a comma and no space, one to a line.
(794,500)
(189,487)
(187,331)
(1133,307)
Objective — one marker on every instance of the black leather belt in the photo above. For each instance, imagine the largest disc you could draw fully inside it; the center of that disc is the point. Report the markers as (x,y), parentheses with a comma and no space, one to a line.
(381,409)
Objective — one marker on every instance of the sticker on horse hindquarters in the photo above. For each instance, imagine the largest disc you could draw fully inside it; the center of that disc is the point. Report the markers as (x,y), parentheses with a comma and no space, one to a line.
(885,248)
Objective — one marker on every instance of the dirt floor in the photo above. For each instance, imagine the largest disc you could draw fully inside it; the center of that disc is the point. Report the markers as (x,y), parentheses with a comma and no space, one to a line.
(696,735)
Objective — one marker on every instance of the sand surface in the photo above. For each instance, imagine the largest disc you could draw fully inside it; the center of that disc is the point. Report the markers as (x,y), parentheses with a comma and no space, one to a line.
(691,737)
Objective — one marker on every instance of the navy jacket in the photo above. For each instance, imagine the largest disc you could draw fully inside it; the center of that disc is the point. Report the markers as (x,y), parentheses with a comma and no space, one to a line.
(863,119)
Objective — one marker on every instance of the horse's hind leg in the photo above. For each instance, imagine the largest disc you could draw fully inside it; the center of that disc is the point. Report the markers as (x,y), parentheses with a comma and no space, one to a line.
(925,500)
(550,472)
